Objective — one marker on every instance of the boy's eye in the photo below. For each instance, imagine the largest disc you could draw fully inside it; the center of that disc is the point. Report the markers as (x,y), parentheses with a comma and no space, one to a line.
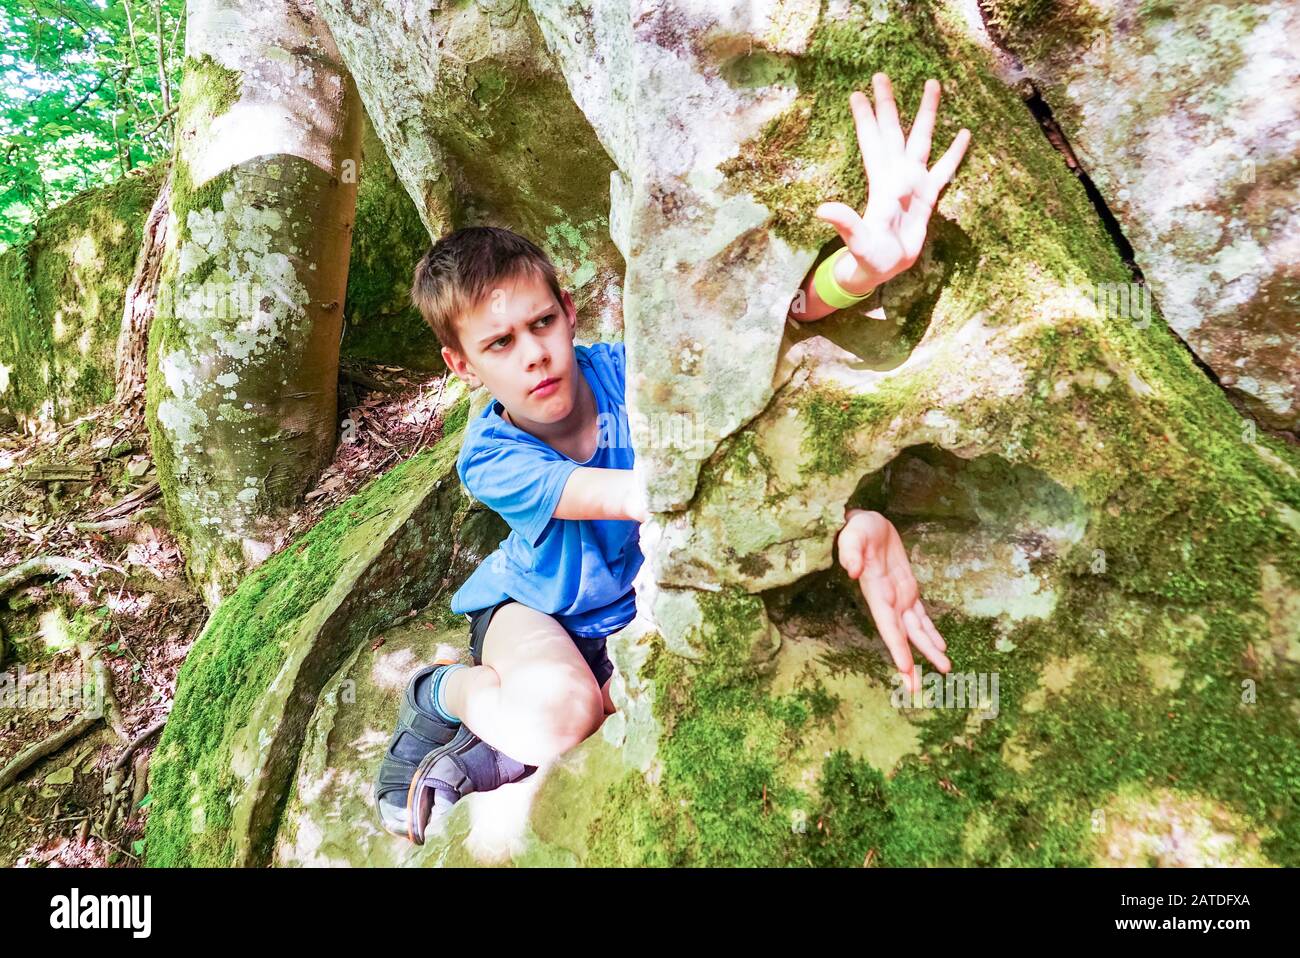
(544,321)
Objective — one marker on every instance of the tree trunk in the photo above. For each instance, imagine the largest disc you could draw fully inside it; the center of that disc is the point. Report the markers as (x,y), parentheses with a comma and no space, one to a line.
(140,305)
(244,349)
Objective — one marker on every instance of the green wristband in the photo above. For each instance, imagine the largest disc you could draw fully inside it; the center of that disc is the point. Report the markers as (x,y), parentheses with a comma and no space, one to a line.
(829,289)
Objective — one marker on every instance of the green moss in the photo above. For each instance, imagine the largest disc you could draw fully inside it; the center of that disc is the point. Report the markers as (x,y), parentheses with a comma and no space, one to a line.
(725,741)
(231,665)
(1171,532)
(161,336)
(759,68)
(1028,210)
(1035,29)
(388,239)
(456,418)
(838,423)
(739,457)
(1184,504)
(204,271)
(207,91)
(721,800)
(26,346)
(61,298)
(186,197)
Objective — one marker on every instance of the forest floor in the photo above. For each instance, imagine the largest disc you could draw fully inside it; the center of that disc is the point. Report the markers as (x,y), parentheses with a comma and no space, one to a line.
(96,614)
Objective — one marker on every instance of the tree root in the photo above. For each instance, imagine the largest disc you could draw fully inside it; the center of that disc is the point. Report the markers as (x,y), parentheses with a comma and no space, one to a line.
(112,711)
(115,783)
(41,565)
(137,742)
(47,746)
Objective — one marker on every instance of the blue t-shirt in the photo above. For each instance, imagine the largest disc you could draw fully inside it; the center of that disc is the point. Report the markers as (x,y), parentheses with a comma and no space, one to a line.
(578,570)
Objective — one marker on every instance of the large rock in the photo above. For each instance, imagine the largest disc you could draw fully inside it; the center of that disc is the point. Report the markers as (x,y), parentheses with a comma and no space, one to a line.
(253,677)
(481,130)
(330,816)
(380,324)
(1184,116)
(1111,551)
(61,297)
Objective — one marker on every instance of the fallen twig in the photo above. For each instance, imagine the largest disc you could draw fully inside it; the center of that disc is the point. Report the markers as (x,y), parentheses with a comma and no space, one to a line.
(60,472)
(137,742)
(370,382)
(128,503)
(106,525)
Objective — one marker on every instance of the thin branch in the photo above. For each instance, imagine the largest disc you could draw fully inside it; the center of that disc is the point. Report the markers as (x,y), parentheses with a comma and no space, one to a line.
(126,70)
(162,59)
(161,120)
(136,742)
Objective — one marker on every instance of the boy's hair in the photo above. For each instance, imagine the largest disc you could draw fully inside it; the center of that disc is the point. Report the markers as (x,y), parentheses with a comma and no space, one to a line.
(464,266)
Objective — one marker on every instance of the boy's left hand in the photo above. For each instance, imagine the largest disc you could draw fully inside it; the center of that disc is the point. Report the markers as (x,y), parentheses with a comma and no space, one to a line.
(901,193)
(872,552)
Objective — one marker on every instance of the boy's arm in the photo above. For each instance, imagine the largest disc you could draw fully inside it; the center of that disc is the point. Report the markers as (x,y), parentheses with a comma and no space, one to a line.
(887,238)
(602,494)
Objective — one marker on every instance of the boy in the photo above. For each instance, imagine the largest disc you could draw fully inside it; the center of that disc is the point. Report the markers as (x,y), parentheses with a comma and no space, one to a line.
(541,606)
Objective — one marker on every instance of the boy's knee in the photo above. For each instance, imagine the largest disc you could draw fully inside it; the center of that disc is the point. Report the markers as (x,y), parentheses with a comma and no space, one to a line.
(568,708)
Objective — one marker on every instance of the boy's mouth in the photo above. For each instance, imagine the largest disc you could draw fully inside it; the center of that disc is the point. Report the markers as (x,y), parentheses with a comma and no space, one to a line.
(544,388)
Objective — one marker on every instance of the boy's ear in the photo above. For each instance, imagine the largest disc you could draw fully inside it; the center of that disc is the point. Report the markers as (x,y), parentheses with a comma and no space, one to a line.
(570,311)
(457,364)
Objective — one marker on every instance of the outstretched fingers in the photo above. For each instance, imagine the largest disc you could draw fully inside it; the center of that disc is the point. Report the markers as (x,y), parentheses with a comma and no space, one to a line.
(893,632)
(919,139)
(929,626)
(891,131)
(942,172)
(923,641)
(869,142)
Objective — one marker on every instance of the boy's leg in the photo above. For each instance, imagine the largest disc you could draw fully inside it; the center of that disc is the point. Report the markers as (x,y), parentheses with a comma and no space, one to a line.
(608,703)
(534,696)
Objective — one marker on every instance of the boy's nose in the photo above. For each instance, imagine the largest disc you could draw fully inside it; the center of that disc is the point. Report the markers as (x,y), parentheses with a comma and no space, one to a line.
(536,353)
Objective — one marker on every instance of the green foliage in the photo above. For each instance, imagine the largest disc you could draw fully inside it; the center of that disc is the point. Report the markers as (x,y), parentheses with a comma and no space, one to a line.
(83,101)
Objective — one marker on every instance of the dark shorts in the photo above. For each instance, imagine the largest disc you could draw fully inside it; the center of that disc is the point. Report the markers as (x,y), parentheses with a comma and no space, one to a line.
(592,649)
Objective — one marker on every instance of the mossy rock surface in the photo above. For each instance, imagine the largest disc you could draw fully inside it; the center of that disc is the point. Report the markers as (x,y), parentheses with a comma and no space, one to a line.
(388,239)
(1110,549)
(1182,115)
(481,128)
(252,679)
(61,298)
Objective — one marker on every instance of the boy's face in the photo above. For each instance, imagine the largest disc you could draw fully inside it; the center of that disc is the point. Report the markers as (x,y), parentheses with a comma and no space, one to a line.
(513,341)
